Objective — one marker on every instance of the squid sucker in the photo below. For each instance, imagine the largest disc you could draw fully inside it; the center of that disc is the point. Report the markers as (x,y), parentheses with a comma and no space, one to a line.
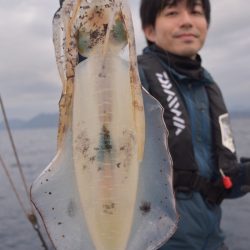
(109,187)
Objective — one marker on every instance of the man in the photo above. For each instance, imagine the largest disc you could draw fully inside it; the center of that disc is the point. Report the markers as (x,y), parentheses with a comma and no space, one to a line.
(200,140)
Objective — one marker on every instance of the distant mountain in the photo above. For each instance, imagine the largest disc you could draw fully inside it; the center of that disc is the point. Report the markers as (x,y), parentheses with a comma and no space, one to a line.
(39,121)
(43,121)
(51,120)
(239,114)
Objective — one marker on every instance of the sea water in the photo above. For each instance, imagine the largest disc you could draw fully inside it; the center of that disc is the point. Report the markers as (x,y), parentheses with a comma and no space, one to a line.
(37,147)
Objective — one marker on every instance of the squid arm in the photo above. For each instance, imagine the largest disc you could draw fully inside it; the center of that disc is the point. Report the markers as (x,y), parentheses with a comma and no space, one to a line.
(135,79)
(67,59)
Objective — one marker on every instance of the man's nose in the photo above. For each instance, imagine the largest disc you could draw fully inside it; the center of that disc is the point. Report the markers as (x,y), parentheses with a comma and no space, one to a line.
(186,19)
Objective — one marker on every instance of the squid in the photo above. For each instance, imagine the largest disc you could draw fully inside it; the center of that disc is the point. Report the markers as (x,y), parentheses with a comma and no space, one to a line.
(109,186)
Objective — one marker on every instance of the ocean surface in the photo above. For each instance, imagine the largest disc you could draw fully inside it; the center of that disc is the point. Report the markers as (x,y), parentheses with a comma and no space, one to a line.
(36,148)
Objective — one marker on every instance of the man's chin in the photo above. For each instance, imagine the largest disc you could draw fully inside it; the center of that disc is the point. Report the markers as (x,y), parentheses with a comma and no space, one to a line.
(190,53)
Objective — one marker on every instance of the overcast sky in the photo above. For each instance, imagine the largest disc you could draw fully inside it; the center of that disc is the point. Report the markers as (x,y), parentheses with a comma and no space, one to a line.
(29,81)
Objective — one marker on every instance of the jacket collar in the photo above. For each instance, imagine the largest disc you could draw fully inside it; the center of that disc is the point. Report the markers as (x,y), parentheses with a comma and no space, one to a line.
(182,65)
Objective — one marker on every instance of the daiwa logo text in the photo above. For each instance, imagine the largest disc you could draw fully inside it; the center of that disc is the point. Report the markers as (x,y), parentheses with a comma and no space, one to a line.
(173,102)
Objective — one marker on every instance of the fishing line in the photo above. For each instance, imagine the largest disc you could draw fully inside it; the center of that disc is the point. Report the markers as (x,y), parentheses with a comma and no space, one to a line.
(30,216)
(13,185)
(14,149)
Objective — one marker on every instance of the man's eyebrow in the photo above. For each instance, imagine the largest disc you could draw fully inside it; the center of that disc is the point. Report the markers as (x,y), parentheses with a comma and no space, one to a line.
(198,2)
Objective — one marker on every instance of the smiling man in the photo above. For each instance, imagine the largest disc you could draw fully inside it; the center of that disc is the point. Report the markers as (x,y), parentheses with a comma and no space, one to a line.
(179,29)
(200,139)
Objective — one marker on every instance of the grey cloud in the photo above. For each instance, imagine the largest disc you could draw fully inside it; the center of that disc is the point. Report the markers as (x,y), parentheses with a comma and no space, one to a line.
(28,73)
(29,81)
(226,53)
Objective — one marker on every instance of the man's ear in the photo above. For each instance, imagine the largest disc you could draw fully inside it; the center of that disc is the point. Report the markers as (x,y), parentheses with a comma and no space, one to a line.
(149,33)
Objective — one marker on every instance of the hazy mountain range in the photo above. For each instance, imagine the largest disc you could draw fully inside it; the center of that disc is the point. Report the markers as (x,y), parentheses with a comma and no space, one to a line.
(39,121)
(51,120)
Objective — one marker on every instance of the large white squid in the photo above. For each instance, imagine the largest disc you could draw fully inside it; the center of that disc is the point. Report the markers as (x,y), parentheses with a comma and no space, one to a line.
(109,186)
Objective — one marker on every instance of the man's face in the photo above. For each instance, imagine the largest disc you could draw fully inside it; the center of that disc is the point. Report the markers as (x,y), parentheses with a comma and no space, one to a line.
(179,29)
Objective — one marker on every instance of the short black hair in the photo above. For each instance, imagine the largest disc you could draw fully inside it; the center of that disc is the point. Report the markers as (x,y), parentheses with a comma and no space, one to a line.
(149,9)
